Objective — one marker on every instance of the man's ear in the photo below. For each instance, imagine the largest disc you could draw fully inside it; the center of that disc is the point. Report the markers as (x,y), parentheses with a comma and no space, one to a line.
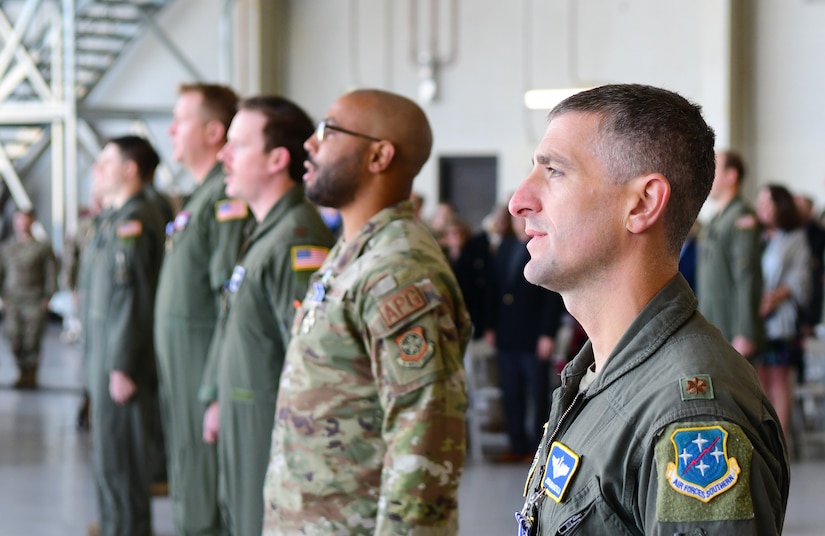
(215,132)
(649,197)
(277,159)
(381,155)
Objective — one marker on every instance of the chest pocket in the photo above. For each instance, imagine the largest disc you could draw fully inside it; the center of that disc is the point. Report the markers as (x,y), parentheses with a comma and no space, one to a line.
(584,513)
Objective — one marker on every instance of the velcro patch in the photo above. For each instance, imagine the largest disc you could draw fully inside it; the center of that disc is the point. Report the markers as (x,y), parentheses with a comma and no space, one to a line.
(699,387)
(704,473)
(399,305)
(414,348)
(129,229)
(746,222)
(559,469)
(308,257)
(230,209)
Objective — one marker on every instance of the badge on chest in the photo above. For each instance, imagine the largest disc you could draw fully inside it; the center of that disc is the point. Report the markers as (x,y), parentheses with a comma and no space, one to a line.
(559,469)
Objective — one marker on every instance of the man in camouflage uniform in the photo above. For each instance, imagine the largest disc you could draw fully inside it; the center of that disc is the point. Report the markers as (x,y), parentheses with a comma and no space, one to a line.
(369,433)
(201,247)
(121,266)
(28,278)
(264,161)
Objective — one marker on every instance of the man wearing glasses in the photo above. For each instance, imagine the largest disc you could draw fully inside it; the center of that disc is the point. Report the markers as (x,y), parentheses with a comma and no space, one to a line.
(369,431)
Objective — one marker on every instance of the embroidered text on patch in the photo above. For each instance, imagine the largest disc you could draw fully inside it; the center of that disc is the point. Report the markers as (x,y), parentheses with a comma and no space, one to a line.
(702,469)
(400,305)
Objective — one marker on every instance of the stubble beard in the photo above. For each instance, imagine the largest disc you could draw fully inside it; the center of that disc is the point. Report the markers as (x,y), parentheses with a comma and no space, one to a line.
(334,185)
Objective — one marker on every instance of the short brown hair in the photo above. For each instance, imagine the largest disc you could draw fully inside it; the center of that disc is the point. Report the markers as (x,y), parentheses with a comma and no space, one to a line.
(219,102)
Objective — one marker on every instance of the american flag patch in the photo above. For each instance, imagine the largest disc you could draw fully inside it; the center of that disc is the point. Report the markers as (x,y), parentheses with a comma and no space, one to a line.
(308,257)
(129,229)
(230,209)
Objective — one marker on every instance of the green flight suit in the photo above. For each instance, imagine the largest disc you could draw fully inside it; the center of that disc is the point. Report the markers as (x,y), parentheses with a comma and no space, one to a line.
(673,436)
(123,263)
(259,306)
(202,244)
(729,272)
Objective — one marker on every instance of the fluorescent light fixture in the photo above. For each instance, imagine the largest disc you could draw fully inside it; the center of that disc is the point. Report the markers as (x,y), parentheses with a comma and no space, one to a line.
(545,99)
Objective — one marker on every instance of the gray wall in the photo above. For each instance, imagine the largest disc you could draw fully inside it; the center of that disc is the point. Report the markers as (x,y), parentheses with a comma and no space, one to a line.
(754,65)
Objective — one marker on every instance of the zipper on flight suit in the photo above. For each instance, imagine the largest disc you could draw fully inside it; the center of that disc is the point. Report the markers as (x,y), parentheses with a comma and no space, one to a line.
(530,509)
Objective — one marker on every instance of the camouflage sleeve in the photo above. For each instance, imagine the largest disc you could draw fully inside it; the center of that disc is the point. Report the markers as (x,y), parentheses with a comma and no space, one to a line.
(417,350)
(50,270)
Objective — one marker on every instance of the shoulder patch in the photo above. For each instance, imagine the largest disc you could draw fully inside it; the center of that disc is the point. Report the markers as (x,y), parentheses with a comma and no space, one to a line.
(696,387)
(746,222)
(308,257)
(704,473)
(401,304)
(414,348)
(231,209)
(129,229)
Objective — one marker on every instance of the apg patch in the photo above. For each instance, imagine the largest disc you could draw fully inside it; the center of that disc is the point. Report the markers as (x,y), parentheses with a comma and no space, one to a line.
(399,305)
(559,469)
(704,472)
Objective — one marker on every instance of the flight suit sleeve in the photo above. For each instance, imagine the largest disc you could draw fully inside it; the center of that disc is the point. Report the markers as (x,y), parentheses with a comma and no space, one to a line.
(416,341)
(50,271)
(711,477)
(746,267)
(208,390)
(226,235)
(131,310)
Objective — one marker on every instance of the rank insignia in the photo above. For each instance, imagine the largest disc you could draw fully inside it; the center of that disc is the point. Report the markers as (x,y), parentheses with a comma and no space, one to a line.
(702,469)
(559,469)
(696,387)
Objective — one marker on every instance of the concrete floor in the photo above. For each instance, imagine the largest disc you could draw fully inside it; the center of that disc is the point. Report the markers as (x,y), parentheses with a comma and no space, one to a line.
(46,486)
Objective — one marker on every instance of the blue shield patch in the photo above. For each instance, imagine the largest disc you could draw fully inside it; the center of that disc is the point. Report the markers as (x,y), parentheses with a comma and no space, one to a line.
(558,470)
(702,468)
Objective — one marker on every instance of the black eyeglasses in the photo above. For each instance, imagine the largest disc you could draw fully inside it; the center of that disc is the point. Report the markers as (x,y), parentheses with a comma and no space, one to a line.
(323,126)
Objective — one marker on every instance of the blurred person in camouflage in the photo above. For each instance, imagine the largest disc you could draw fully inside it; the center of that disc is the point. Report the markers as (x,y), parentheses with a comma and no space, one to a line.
(369,433)
(28,278)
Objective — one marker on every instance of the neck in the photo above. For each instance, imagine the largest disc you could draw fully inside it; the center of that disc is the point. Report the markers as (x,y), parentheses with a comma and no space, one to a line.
(199,170)
(724,199)
(266,199)
(606,308)
(125,194)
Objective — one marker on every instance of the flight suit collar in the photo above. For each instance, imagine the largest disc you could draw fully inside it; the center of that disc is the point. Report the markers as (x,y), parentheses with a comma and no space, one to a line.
(654,325)
(345,252)
(287,201)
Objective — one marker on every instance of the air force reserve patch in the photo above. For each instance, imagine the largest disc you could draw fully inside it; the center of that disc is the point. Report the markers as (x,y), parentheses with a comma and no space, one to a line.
(704,472)
(559,469)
